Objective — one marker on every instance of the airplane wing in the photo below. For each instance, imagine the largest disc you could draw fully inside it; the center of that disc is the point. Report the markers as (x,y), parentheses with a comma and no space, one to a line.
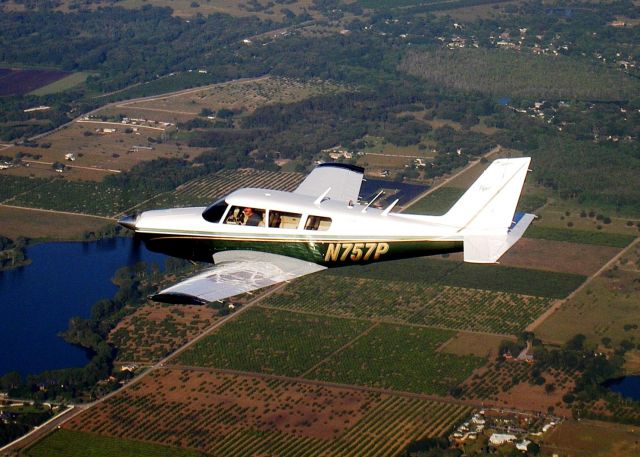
(343,179)
(236,272)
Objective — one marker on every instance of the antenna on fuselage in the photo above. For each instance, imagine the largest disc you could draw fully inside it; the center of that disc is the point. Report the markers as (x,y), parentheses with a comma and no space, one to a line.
(321,198)
(364,210)
(390,207)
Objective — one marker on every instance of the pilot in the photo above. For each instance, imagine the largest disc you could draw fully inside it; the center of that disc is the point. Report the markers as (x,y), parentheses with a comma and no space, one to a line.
(250,217)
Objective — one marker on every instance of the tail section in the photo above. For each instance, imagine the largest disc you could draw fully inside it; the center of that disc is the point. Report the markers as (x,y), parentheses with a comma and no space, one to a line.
(484,215)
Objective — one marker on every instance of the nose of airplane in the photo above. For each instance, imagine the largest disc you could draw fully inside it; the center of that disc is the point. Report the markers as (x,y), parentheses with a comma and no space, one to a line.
(128,222)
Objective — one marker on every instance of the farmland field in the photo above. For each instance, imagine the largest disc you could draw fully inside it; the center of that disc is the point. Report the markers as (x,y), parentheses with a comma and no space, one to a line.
(438,202)
(498,278)
(409,302)
(241,95)
(481,310)
(598,238)
(401,358)
(19,82)
(509,73)
(153,331)
(229,414)
(113,151)
(272,341)
(206,190)
(31,223)
(61,85)
(78,197)
(558,255)
(592,438)
(70,443)
(607,307)
(11,186)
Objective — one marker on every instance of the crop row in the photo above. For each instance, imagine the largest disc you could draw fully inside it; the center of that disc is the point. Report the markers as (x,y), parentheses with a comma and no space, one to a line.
(11,186)
(226,414)
(273,341)
(411,302)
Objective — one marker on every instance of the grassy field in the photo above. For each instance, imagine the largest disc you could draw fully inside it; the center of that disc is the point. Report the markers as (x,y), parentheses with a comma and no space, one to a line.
(591,439)
(497,278)
(93,150)
(204,191)
(616,240)
(607,307)
(503,72)
(61,85)
(242,96)
(409,302)
(401,358)
(564,214)
(68,443)
(37,224)
(228,414)
(437,202)
(560,256)
(272,341)
(79,197)
(11,186)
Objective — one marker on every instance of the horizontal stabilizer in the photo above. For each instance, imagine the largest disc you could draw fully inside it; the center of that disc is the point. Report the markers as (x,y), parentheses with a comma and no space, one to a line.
(489,247)
(342,181)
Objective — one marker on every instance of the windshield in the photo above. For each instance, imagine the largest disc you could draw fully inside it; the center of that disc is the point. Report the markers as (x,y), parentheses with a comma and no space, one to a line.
(214,212)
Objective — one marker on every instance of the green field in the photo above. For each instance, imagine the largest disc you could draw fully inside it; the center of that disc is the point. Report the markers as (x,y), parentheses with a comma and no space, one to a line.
(79,197)
(508,73)
(438,202)
(411,302)
(10,186)
(67,443)
(61,85)
(401,358)
(616,240)
(273,341)
(498,278)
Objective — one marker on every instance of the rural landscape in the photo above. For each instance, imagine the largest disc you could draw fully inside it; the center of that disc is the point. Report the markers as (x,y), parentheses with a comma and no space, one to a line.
(111,108)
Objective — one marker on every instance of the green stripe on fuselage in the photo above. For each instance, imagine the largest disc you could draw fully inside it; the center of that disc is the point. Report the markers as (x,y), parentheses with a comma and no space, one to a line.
(324,252)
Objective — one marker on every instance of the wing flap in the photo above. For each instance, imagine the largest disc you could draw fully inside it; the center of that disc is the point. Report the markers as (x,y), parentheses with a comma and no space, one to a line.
(236,272)
(343,179)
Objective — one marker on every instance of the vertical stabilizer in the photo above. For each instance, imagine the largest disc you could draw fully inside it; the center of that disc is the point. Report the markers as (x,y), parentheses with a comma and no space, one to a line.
(484,215)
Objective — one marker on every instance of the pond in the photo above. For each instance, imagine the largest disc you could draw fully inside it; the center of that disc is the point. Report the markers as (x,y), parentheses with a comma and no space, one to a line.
(63,280)
(627,386)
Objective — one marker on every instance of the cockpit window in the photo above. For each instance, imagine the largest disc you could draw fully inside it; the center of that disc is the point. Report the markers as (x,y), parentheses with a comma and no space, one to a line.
(245,215)
(214,212)
(317,223)
(282,219)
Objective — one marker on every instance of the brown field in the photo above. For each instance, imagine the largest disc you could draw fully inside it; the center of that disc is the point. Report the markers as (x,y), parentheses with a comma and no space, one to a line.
(529,397)
(554,214)
(183,8)
(29,223)
(73,173)
(607,307)
(154,330)
(233,414)
(507,384)
(108,151)
(632,362)
(588,438)
(242,95)
(559,256)
(477,344)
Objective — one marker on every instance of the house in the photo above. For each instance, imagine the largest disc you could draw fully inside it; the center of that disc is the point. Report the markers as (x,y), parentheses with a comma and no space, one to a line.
(522,445)
(70,156)
(498,439)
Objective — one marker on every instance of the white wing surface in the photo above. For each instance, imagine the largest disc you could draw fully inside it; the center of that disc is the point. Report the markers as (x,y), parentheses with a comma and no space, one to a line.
(236,272)
(343,179)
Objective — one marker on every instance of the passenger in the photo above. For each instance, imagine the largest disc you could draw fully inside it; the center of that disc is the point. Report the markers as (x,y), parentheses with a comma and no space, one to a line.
(250,217)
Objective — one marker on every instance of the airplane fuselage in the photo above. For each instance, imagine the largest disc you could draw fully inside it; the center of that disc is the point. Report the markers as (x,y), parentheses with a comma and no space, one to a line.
(328,233)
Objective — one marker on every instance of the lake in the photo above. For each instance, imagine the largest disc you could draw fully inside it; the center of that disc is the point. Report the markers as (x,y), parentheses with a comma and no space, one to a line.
(63,280)
(627,386)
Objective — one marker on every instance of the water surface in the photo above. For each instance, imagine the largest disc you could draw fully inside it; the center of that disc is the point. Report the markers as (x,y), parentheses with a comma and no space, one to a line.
(63,280)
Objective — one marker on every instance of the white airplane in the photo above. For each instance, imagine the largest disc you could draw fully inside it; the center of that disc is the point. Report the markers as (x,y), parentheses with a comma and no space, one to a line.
(260,237)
